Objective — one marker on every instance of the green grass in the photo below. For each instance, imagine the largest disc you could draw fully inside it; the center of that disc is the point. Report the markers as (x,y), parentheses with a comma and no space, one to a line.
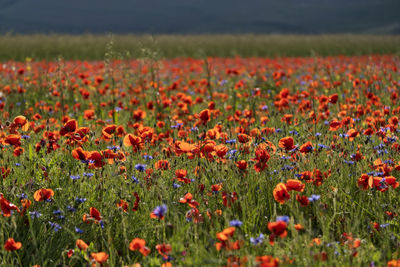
(93,47)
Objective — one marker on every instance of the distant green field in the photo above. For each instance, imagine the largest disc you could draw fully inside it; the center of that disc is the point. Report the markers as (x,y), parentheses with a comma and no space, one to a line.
(94,47)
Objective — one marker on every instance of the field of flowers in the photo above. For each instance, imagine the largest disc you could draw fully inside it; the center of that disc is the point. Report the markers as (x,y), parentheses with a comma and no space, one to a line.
(201,162)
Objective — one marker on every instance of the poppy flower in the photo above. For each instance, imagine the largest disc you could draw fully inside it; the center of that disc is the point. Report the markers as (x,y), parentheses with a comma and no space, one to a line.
(21,121)
(69,127)
(80,154)
(287,143)
(164,250)
(161,165)
(303,200)
(43,194)
(133,141)
(94,215)
(296,185)
(204,116)
(352,133)
(123,205)
(188,198)
(81,244)
(100,257)
(6,206)
(281,193)
(306,148)
(180,175)
(241,164)
(11,245)
(278,228)
(267,261)
(13,139)
(140,245)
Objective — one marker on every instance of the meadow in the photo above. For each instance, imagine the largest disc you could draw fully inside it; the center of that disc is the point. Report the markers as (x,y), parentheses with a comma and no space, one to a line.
(93,47)
(199,161)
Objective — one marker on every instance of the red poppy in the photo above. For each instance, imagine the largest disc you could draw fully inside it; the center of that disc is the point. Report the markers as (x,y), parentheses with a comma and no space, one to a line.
(296,185)
(11,245)
(43,194)
(140,245)
(6,206)
(287,143)
(81,244)
(69,127)
(281,193)
(100,257)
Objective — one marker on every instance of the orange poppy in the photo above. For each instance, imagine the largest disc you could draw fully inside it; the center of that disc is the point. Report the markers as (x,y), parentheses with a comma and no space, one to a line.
(11,245)
(43,194)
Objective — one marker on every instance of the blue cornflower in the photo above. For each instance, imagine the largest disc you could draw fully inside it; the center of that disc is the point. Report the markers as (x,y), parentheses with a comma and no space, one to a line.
(147,157)
(283,218)
(75,177)
(232,151)
(80,200)
(88,174)
(175,185)
(56,212)
(80,231)
(313,198)
(160,211)
(115,148)
(71,209)
(134,179)
(235,223)
(22,196)
(35,214)
(257,240)
(140,167)
(231,141)
(55,226)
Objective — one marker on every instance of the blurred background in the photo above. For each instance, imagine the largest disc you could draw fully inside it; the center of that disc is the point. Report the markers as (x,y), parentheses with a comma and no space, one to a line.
(200,16)
(85,29)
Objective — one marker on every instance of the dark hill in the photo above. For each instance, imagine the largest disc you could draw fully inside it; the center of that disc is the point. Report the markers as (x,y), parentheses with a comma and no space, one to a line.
(200,16)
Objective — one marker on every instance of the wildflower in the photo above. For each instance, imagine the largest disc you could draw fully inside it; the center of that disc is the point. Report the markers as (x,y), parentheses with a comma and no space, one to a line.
(159,212)
(81,244)
(139,244)
(282,219)
(296,185)
(164,250)
(242,164)
(257,240)
(100,257)
(43,194)
(235,223)
(55,226)
(140,167)
(287,143)
(6,206)
(281,193)
(278,228)
(11,245)
(314,198)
